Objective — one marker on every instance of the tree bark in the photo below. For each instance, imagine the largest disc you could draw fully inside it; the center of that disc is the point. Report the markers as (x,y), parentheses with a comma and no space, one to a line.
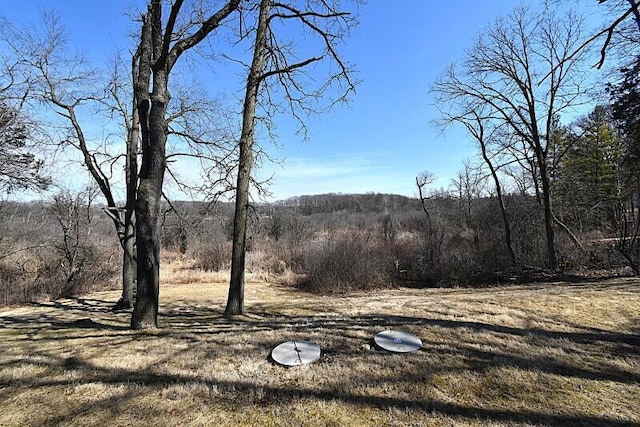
(235,300)
(128,256)
(145,311)
(147,211)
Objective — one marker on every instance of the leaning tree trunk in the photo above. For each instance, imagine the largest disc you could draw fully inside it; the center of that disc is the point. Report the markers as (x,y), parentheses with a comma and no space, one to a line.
(235,300)
(503,209)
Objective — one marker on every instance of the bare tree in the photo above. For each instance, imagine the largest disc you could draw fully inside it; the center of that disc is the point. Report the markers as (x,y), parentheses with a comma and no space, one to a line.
(64,81)
(625,20)
(73,89)
(434,233)
(200,130)
(72,210)
(275,66)
(468,184)
(162,43)
(486,132)
(120,103)
(423,180)
(504,74)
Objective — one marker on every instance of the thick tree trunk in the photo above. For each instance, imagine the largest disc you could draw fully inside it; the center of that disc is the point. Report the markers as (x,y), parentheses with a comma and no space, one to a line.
(145,312)
(235,300)
(151,177)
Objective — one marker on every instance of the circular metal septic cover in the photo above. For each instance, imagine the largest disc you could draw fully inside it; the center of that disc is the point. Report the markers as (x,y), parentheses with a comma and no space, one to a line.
(293,353)
(398,341)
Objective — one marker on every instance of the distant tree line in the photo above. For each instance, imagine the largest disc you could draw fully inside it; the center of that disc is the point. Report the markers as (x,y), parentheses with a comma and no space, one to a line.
(332,202)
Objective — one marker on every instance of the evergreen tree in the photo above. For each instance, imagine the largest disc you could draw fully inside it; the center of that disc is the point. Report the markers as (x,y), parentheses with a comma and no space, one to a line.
(586,182)
(625,102)
(19,168)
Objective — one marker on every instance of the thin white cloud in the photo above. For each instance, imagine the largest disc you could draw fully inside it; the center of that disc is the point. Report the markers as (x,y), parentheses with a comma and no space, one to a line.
(354,173)
(306,168)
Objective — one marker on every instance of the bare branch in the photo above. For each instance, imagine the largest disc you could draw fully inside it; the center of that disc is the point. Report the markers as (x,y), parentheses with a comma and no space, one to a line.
(206,28)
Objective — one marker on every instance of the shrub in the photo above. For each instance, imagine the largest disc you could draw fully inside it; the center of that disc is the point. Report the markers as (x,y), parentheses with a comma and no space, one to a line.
(13,286)
(346,263)
(92,269)
(45,273)
(210,255)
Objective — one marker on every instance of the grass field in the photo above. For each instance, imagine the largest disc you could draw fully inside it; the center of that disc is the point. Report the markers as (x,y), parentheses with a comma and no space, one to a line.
(546,354)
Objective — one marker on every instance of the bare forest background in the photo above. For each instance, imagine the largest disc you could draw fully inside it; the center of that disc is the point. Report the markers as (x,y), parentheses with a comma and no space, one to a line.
(546,196)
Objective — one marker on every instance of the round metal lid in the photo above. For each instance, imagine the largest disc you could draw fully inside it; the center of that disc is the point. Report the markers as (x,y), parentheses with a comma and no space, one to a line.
(398,341)
(293,353)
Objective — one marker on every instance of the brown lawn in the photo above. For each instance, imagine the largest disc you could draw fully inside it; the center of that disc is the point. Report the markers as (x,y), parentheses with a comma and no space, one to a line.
(546,354)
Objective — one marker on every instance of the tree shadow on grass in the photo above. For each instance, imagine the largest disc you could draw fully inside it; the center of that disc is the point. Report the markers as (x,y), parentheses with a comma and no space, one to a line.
(43,321)
(351,332)
(231,392)
(78,304)
(341,338)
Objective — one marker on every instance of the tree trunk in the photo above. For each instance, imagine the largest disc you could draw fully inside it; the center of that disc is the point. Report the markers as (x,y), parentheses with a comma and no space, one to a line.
(128,269)
(235,300)
(572,236)
(548,215)
(156,57)
(128,251)
(129,233)
(151,177)
(128,273)
(145,312)
(503,209)
(128,248)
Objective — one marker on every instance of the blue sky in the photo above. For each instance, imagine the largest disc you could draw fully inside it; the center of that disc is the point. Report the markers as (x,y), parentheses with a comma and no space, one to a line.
(384,138)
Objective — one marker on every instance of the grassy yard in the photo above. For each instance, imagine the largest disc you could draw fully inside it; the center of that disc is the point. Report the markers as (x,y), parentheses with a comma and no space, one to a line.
(546,354)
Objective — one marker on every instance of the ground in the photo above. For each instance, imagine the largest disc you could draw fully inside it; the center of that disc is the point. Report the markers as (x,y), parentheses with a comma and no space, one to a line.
(545,354)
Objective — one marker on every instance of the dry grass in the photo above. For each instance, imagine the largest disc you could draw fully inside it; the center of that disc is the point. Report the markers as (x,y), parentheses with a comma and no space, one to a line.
(557,354)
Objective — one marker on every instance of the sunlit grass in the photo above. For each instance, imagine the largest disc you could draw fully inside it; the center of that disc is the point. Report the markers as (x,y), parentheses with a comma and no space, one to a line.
(551,354)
